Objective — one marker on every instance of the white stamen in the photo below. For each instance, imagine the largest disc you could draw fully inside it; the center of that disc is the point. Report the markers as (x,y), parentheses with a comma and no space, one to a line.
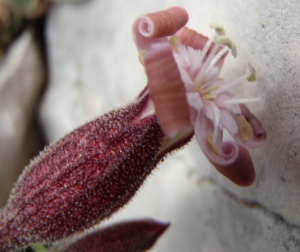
(202,54)
(205,49)
(217,57)
(205,66)
(238,80)
(229,85)
(216,119)
(242,100)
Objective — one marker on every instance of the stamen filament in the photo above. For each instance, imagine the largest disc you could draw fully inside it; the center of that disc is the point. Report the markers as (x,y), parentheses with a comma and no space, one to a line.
(203,53)
(229,85)
(237,81)
(208,96)
(208,90)
(242,100)
(205,66)
(219,55)
(216,121)
(205,49)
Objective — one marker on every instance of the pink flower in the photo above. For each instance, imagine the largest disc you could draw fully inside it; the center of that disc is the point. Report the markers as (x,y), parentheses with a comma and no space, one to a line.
(183,70)
(95,170)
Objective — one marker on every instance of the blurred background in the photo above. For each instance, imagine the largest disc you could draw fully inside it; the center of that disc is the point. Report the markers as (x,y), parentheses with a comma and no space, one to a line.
(65,62)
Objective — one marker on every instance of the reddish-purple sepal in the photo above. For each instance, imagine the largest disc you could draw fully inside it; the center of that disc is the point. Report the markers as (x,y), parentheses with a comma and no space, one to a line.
(83,178)
(133,235)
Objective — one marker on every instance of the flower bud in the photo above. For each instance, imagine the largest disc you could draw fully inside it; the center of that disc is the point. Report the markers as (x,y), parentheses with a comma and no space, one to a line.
(85,177)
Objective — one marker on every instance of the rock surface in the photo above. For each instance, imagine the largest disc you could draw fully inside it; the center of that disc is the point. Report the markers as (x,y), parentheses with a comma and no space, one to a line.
(21,79)
(94,68)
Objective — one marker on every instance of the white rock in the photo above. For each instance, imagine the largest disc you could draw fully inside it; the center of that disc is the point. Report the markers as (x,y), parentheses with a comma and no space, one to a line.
(94,68)
(21,78)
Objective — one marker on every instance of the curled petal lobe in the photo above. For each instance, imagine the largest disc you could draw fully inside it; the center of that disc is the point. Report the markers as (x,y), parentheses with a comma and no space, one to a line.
(154,28)
(163,23)
(167,91)
(238,166)
(229,158)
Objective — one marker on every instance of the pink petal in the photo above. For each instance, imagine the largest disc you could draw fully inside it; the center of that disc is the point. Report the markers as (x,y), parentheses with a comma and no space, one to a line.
(228,122)
(259,134)
(233,161)
(155,27)
(167,91)
(237,165)
(195,101)
(191,38)
(203,127)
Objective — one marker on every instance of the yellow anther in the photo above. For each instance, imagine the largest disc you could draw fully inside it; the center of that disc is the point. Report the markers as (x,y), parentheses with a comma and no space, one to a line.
(226,41)
(245,130)
(212,145)
(208,96)
(197,87)
(208,90)
(218,28)
(174,42)
(252,76)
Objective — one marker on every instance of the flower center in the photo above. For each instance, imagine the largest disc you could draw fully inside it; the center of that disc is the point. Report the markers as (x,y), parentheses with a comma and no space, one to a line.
(206,93)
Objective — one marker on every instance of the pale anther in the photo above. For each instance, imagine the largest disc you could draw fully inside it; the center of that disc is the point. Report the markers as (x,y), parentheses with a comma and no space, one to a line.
(218,28)
(252,76)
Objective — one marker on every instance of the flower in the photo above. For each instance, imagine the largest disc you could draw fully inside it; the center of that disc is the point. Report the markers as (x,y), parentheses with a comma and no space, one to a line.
(96,169)
(183,70)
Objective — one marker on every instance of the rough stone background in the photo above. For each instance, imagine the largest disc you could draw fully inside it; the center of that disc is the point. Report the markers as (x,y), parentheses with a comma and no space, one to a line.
(93,68)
